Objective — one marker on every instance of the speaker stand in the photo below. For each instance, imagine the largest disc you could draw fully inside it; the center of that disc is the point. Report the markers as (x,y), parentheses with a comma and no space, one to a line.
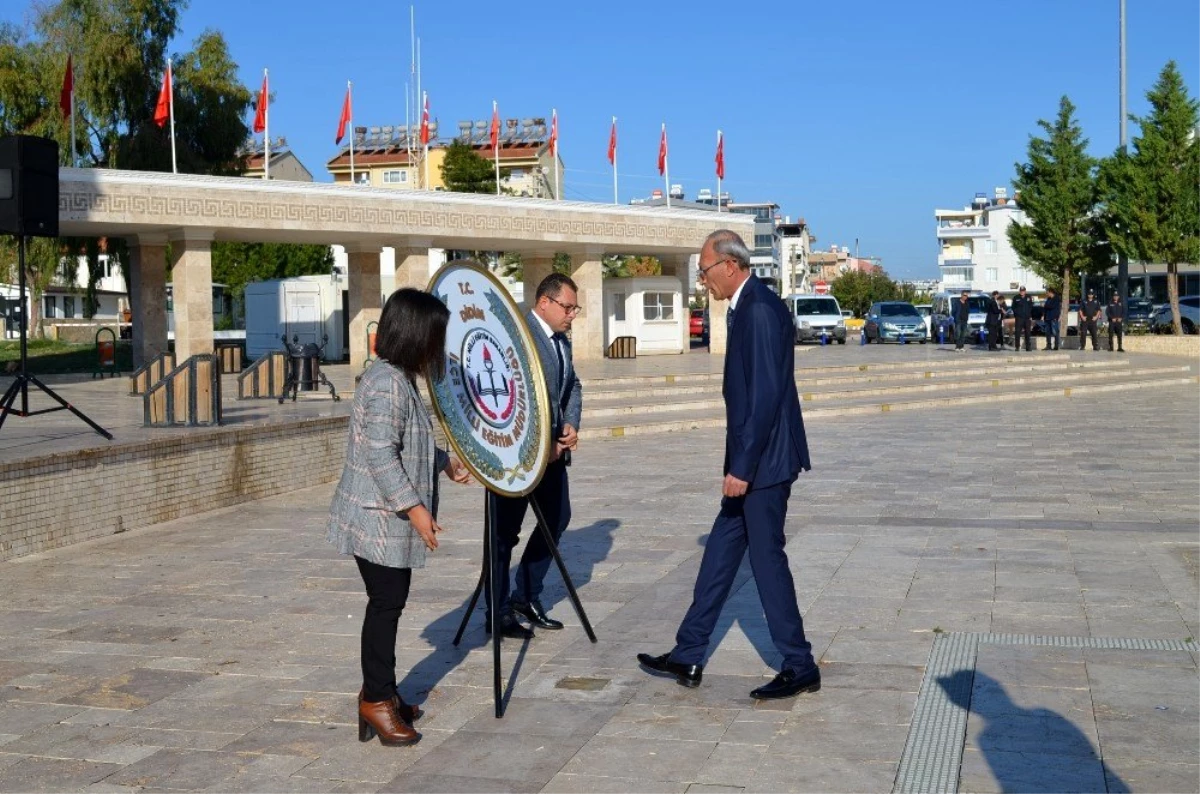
(22,378)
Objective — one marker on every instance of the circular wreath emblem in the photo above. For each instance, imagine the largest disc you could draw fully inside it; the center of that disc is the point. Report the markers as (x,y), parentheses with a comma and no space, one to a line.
(492,400)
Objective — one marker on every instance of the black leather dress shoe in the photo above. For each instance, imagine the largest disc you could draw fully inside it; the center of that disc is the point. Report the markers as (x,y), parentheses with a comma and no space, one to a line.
(688,675)
(536,614)
(789,683)
(510,627)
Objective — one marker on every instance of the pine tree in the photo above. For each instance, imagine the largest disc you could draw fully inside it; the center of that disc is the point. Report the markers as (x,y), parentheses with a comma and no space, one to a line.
(1057,191)
(1152,194)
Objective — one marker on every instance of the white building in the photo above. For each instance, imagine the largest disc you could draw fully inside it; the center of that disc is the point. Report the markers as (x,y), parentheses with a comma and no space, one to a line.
(793,244)
(973,248)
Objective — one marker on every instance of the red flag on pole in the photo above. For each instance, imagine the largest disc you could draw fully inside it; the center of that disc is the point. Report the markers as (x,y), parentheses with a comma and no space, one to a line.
(345,118)
(494,133)
(68,89)
(662,152)
(553,143)
(425,123)
(612,144)
(720,155)
(260,114)
(162,112)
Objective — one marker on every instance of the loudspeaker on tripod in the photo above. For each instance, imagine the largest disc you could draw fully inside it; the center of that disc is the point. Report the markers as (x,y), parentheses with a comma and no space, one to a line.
(28,186)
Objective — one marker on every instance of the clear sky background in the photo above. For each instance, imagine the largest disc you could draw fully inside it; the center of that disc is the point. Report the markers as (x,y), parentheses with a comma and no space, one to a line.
(861,116)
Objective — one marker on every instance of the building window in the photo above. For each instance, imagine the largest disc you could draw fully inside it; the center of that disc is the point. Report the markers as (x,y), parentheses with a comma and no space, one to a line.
(395,177)
(992,274)
(764,242)
(618,299)
(51,307)
(658,305)
(989,246)
(68,306)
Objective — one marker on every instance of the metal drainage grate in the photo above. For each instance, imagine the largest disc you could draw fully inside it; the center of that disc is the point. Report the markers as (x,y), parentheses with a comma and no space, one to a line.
(933,752)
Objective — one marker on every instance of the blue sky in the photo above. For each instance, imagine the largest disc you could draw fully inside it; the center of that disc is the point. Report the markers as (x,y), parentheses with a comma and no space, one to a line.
(861,116)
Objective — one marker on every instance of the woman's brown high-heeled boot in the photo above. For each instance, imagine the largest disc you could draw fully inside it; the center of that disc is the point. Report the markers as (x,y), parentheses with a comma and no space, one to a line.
(382,718)
(409,712)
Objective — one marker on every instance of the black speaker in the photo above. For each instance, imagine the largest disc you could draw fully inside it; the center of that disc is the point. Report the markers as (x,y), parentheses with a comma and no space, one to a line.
(28,186)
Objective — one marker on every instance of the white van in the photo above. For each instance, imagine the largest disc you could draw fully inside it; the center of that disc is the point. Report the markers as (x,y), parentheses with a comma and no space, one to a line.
(941,316)
(817,315)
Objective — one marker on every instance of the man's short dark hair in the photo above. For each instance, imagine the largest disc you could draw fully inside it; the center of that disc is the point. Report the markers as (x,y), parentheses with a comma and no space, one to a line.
(412,333)
(552,286)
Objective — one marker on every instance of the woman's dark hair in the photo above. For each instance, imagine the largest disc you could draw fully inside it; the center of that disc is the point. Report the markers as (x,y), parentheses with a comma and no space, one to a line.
(412,333)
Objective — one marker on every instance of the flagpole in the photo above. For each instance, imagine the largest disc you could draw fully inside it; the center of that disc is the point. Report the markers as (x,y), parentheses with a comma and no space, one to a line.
(350,96)
(171,100)
(614,161)
(496,147)
(557,180)
(74,151)
(666,164)
(722,151)
(266,128)
(408,147)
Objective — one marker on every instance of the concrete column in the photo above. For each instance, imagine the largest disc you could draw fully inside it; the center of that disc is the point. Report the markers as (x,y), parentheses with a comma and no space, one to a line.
(191,293)
(412,264)
(717,336)
(365,301)
(677,265)
(535,267)
(148,296)
(587,332)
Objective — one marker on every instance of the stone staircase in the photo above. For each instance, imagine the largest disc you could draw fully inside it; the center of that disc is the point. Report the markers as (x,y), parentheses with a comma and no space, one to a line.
(639,405)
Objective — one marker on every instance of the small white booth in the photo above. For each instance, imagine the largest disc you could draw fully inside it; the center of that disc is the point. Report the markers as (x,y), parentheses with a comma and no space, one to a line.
(648,308)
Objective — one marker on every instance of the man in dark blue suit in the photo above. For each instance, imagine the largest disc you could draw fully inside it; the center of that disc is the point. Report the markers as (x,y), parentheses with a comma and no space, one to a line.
(765,450)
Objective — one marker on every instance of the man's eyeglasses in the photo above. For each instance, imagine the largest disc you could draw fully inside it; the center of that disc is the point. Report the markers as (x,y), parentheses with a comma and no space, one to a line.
(703,274)
(569,309)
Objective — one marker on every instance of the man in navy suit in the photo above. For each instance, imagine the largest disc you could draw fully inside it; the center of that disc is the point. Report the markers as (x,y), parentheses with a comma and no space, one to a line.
(765,450)
(556,304)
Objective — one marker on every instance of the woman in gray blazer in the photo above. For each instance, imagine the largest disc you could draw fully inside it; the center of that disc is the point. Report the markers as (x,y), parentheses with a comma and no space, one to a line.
(384,510)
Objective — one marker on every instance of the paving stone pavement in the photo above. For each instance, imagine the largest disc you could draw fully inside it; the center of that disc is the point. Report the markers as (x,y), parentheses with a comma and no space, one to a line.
(219,652)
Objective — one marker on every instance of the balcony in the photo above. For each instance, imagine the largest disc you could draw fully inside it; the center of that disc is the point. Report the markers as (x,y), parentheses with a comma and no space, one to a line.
(960,232)
(960,262)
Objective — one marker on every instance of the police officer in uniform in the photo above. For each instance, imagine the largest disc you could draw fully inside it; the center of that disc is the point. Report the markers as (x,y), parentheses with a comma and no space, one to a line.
(1022,307)
(1115,314)
(1089,317)
(995,323)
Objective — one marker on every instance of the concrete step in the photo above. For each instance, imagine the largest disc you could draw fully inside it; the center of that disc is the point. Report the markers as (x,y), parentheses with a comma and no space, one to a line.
(813,378)
(849,390)
(712,417)
(950,362)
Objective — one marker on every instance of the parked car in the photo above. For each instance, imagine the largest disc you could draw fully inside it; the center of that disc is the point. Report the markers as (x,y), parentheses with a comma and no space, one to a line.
(698,325)
(895,320)
(1189,316)
(817,315)
(1138,312)
(977,304)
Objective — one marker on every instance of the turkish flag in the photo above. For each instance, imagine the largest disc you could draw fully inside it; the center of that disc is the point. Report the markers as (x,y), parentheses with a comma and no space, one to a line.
(662,152)
(612,144)
(553,143)
(720,156)
(162,111)
(260,113)
(68,90)
(425,123)
(494,133)
(345,118)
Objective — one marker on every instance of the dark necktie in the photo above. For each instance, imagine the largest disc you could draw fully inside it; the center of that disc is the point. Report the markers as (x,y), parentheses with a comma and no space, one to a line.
(562,365)
(729,319)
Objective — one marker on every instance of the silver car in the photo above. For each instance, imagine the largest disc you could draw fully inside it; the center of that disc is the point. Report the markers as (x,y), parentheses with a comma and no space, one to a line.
(895,321)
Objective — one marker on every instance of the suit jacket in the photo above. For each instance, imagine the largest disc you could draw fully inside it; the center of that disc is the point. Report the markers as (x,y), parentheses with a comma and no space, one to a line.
(960,312)
(765,442)
(566,407)
(392,465)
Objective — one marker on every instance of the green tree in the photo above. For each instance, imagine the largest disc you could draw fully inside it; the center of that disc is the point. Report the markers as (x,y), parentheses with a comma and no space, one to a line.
(1151,196)
(238,264)
(43,258)
(1057,190)
(857,290)
(464,171)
